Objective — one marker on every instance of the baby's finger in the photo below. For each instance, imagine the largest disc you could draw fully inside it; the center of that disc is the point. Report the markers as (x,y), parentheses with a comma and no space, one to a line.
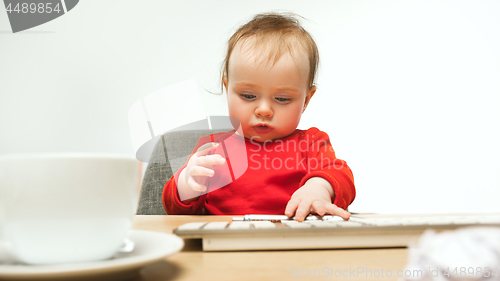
(206,148)
(291,206)
(210,160)
(303,210)
(195,186)
(336,211)
(319,208)
(201,171)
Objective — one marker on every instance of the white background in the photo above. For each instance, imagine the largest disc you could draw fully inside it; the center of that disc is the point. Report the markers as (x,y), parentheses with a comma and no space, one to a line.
(409,91)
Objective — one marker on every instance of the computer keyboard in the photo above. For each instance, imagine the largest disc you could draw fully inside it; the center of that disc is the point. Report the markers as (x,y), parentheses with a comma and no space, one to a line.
(364,231)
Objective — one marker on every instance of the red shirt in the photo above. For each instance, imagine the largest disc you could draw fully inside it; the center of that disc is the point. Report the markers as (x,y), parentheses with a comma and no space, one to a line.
(260,178)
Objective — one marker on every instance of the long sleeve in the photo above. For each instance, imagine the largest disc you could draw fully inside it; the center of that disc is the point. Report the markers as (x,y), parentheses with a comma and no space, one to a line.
(322,162)
(173,205)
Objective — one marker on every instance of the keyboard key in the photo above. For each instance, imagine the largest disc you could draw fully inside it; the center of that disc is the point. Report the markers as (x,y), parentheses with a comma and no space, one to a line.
(191,226)
(439,222)
(490,220)
(300,225)
(219,225)
(467,220)
(296,224)
(382,223)
(332,218)
(239,225)
(354,219)
(415,221)
(322,224)
(349,224)
(263,225)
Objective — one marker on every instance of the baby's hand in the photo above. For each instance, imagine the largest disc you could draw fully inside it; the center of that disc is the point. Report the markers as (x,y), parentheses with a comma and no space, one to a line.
(313,197)
(198,169)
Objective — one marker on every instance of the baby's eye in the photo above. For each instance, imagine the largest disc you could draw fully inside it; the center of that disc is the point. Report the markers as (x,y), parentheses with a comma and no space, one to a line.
(247,96)
(280,99)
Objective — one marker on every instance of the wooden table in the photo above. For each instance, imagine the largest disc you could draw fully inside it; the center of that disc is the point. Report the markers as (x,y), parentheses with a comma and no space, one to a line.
(194,264)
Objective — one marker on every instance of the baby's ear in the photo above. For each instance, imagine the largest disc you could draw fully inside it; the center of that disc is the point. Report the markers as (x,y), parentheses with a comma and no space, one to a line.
(309,95)
(224,82)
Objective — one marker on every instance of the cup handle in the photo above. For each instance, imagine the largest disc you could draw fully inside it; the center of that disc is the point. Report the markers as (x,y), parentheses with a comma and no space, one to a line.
(127,247)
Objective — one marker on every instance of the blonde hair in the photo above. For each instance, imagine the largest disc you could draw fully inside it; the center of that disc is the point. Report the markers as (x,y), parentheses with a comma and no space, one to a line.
(279,32)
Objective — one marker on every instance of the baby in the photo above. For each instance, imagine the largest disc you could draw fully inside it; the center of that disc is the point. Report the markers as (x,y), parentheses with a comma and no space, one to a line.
(269,73)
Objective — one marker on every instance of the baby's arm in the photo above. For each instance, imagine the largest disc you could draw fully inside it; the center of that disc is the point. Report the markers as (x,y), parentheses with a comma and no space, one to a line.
(192,179)
(315,196)
(328,187)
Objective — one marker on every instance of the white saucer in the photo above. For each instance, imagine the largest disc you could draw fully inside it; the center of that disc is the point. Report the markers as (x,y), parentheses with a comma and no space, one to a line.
(149,247)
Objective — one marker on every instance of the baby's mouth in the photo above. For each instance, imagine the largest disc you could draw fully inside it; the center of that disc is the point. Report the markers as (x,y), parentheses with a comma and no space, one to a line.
(262,128)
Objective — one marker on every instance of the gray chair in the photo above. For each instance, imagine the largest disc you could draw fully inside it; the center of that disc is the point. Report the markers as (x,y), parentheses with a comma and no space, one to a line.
(169,154)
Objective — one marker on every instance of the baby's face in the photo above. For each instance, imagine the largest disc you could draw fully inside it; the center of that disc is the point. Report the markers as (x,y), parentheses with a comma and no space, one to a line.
(267,99)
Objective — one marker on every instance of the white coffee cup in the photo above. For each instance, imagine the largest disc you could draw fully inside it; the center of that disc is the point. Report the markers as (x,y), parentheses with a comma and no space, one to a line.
(64,208)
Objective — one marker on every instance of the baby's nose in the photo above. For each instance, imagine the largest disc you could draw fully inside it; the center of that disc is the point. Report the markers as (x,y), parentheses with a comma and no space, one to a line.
(264,110)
